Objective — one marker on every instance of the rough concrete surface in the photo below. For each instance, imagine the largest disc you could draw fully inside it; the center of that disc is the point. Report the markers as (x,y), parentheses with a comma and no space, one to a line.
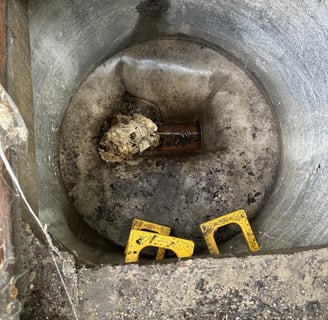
(272,286)
(255,287)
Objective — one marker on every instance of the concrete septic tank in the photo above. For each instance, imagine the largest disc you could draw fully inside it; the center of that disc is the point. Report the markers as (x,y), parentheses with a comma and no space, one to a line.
(265,120)
(251,74)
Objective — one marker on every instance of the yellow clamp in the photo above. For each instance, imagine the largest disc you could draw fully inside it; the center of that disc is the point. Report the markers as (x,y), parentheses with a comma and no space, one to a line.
(140,239)
(239,217)
(138,224)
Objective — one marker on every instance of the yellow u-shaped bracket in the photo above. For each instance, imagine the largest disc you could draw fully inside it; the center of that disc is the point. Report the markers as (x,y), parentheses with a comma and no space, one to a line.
(239,217)
(139,240)
(138,224)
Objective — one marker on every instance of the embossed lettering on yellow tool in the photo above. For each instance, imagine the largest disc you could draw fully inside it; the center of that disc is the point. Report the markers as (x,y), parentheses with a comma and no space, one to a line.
(141,239)
(150,226)
(239,217)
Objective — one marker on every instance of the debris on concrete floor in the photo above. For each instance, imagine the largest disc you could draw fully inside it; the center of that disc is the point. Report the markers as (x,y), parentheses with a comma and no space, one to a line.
(41,292)
(234,164)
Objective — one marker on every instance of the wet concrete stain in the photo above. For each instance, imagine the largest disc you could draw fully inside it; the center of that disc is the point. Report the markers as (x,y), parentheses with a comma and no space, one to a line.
(152,21)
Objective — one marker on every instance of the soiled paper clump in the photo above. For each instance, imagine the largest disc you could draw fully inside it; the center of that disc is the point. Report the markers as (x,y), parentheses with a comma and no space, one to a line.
(129,136)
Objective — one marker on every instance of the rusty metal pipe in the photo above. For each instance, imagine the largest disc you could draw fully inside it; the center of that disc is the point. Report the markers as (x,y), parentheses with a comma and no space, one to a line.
(174,137)
(179,137)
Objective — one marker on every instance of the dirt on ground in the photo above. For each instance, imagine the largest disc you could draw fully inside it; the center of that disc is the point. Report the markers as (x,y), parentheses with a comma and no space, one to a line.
(270,286)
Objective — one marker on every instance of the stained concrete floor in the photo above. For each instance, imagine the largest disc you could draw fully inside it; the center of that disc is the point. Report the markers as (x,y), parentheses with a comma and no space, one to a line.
(268,286)
(236,166)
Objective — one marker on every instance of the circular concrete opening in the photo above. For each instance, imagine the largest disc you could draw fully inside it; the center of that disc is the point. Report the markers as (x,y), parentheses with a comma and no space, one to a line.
(234,167)
(283,46)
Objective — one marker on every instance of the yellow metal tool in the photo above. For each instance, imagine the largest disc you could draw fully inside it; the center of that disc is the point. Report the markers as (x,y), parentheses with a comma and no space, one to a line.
(239,217)
(138,224)
(139,240)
